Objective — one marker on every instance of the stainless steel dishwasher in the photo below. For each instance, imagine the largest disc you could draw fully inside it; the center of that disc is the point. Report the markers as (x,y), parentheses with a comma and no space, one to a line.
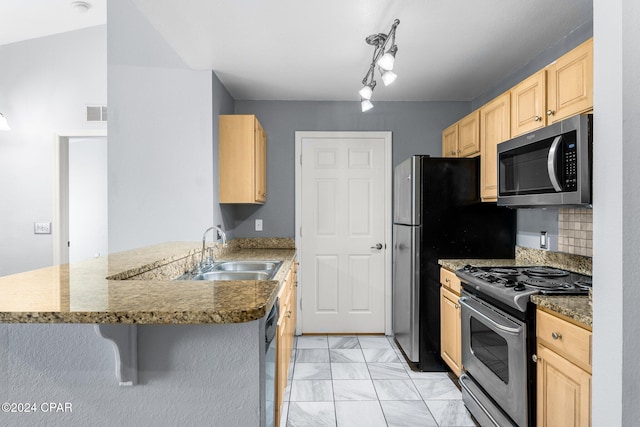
(270,326)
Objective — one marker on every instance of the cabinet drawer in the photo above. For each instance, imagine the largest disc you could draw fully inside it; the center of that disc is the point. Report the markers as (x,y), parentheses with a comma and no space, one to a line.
(449,280)
(567,339)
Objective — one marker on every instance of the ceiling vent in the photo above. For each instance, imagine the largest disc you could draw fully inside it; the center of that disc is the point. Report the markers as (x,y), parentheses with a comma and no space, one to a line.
(96,113)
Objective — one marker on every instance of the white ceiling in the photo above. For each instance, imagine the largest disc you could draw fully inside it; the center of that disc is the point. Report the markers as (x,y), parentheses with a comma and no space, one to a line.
(315,50)
(29,19)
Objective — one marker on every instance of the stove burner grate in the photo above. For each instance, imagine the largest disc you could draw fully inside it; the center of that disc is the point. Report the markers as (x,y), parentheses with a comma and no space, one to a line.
(545,272)
(545,283)
(503,270)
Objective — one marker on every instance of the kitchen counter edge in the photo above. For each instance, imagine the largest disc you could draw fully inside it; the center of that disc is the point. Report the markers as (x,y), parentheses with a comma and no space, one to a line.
(258,307)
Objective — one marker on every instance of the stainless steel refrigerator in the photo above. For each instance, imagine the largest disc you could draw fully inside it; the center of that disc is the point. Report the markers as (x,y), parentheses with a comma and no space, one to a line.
(437,214)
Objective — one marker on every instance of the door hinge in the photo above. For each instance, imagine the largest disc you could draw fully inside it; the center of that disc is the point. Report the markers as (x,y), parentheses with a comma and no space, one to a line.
(300,304)
(301,159)
(300,231)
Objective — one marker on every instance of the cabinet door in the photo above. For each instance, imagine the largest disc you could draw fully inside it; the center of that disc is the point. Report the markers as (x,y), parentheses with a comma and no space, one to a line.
(469,135)
(450,335)
(563,391)
(570,84)
(283,348)
(528,103)
(260,163)
(450,141)
(494,128)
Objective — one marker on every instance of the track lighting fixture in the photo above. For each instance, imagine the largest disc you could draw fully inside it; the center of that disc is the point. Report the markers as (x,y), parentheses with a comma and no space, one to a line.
(383,60)
(3,123)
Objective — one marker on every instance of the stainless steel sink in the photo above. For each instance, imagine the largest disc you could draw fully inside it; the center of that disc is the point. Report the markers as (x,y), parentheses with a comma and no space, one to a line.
(247,265)
(232,275)
(236,270)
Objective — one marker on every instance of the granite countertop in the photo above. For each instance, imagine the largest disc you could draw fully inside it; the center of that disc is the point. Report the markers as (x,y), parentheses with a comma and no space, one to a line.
(135,287)
(574,307)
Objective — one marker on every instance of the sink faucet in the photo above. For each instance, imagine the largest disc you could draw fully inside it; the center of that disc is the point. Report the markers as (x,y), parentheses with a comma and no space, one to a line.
(204,239)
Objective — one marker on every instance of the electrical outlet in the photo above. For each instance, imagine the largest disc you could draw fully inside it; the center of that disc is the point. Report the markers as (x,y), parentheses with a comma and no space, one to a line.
(544,242)
(258,225)
(41,228)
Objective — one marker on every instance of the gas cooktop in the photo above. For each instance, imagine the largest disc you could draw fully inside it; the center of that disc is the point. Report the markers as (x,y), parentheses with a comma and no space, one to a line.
(514,285)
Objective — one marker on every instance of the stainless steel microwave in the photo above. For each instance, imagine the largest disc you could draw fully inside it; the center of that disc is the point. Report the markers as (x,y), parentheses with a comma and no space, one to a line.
(548,167)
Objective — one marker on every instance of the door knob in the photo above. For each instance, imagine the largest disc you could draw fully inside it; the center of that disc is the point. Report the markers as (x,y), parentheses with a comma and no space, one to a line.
(378,246)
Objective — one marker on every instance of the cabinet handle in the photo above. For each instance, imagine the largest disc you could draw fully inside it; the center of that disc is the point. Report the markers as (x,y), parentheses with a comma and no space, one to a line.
(456,306)
(458,152)
(535,358)
(537,118)
(453,153)
(556,335)
(550,113)
(447,280)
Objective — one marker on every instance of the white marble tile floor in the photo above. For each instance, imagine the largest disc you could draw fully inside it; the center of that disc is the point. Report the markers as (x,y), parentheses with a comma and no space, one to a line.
(365,381)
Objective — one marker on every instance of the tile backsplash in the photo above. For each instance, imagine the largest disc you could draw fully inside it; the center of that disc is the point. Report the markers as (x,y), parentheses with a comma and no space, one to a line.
(575,231)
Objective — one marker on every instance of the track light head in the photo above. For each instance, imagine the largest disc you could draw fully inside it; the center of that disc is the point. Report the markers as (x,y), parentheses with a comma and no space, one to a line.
(388,77)
(367,90)
(3,123)
(388,59)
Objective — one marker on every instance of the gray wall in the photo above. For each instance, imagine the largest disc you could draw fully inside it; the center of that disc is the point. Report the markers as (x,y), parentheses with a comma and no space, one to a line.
(45,85)
(160,137)
(616,230)
(223,103)
(416,126)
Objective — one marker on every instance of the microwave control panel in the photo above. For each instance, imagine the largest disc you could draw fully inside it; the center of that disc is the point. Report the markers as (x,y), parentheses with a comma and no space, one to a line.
(570,166)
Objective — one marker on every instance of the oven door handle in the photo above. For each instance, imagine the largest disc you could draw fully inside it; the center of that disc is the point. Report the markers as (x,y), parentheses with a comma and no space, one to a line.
(506,329)
(551,163)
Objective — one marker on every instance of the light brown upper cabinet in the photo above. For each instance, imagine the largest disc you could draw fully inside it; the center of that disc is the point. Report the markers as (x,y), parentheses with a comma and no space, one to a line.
(570,83)
(528,104)
(494,128)
(242,160)
(462,139)
(450,141)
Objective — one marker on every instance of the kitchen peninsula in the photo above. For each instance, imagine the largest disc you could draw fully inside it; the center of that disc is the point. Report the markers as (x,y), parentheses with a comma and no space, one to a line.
(199,345)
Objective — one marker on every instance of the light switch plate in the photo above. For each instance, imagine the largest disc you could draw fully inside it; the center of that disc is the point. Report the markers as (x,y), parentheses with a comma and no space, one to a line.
(41,228)
(258,225)
(544,242)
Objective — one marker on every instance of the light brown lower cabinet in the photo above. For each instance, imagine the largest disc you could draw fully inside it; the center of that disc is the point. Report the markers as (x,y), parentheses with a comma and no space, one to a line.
(563,373)
(450,326)
(450,341)
(284,335)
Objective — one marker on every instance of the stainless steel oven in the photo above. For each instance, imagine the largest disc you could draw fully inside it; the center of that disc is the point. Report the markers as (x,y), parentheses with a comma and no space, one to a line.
(494,354)
(498,338)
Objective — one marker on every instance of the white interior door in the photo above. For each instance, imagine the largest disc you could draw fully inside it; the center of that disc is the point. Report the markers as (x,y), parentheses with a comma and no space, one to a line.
(344,219)
(88,221)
